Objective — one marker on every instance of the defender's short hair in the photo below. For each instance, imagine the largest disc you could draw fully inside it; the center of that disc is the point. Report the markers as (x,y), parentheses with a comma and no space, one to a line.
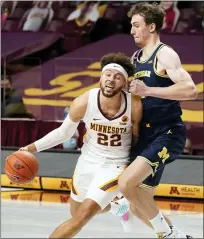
(152,13)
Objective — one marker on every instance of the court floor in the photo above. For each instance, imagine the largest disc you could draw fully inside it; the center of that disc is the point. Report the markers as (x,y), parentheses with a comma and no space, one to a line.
(35,214)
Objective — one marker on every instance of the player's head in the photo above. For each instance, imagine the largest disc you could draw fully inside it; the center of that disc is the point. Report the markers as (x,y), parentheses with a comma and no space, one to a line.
(146,20)
(116,68)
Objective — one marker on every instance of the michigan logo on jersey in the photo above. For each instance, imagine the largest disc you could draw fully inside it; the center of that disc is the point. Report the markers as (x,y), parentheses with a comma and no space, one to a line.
(144,73)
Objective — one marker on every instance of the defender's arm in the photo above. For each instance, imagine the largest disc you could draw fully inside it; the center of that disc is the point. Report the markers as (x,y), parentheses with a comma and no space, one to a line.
(184,87)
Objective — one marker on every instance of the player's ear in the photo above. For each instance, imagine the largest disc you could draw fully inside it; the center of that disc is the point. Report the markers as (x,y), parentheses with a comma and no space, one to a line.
(125,86)
(152,28)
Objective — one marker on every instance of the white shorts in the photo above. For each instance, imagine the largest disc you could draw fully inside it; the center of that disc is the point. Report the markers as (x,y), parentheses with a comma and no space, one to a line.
(97,181)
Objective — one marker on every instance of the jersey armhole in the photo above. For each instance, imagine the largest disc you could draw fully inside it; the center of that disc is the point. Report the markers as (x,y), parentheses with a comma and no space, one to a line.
(155,64)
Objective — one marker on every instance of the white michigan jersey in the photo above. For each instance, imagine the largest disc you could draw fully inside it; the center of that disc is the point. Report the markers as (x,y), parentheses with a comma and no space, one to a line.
(108,137)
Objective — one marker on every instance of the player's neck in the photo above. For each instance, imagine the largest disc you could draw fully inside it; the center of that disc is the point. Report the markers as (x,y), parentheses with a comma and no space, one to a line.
(150,46)
(112,103)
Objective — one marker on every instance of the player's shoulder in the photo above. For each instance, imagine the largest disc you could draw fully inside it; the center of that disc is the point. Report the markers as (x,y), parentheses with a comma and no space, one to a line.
(166,51)
(136,108)
(94,91)
(83,99)
(136,100)
(168,58)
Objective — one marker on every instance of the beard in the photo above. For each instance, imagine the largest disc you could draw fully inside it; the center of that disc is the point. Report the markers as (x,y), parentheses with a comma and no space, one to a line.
(111,92)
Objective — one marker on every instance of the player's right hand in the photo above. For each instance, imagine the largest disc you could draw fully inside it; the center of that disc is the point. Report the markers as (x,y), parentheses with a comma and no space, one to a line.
(23,149)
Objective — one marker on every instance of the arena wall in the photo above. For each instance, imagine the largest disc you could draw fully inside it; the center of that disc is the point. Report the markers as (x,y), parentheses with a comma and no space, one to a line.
(182,178)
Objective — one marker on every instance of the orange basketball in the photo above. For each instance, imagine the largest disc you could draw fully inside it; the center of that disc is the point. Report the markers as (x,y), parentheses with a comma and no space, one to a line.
(21,167)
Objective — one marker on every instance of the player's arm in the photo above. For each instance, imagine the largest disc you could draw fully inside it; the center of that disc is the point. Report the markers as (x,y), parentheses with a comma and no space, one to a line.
(66,130)
(136,118)
(184,87)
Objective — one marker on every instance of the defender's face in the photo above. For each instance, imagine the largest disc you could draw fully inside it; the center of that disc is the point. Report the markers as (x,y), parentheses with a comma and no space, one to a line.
(112,82)
(140,30)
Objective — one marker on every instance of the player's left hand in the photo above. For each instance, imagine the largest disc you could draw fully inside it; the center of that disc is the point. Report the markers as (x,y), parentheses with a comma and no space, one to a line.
(138,87)
(23,149)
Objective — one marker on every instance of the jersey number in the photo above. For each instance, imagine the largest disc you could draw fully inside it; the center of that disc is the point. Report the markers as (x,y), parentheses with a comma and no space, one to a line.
(113,140)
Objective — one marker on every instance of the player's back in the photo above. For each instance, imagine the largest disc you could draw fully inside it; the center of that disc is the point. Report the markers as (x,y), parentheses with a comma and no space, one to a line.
(105,137)
(156,110)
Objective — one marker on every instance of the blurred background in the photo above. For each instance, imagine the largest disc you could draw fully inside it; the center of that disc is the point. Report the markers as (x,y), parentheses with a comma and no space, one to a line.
(50,52)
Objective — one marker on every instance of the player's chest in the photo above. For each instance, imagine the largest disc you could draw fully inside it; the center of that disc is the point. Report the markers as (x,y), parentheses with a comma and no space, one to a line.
(149,75)
(120,124)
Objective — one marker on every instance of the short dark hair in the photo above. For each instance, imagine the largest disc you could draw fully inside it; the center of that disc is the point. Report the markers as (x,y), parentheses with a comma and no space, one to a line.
(120,59)
(152,13)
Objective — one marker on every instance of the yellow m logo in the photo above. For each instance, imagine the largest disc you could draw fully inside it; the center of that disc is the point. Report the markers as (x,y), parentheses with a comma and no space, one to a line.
(160,235)
(164,155)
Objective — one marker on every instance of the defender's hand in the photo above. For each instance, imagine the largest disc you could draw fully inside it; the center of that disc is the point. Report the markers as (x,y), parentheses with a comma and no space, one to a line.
(139,88)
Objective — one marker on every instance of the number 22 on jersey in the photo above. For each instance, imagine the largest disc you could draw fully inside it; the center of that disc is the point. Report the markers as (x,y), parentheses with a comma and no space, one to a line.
(113,140)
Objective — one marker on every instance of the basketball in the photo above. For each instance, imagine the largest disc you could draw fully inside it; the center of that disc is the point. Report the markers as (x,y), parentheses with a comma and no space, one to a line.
(21,167)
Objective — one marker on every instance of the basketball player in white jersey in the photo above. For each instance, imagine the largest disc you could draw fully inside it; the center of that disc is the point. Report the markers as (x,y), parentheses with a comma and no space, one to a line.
(112,119)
